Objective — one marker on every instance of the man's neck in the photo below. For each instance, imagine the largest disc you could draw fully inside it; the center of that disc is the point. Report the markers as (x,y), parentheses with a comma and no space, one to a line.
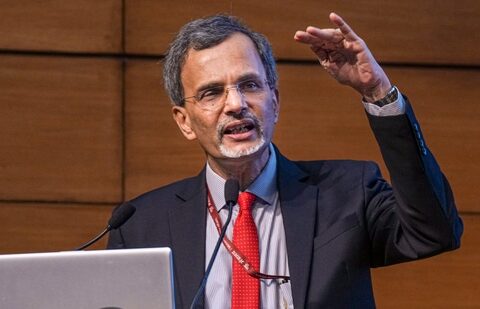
(245,169)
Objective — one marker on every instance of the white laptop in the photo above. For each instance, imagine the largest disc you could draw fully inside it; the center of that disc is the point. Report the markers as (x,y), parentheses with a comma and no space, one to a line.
(113,279)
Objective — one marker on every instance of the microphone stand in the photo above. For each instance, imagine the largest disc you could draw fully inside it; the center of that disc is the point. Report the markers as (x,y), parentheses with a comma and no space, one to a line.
(120,215)
(214,254)
(91,242)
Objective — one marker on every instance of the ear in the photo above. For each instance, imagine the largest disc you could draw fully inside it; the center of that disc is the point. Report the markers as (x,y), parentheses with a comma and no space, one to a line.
(181,117)
(276,104)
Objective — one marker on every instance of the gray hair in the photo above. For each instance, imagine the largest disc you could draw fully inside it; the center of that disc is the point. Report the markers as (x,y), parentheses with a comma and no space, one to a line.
(205,33)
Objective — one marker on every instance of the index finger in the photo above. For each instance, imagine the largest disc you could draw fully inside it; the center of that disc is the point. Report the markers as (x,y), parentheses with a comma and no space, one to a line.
(315,35)
(344,27)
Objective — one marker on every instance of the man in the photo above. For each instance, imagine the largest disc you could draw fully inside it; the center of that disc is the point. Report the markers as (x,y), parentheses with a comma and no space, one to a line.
(322,224)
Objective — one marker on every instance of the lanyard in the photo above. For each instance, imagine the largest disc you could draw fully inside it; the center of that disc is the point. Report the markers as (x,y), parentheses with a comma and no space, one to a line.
(236,254)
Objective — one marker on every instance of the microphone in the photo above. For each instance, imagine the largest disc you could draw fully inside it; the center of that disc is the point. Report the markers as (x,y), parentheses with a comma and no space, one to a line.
(231,195)
(232,187)
(119,217)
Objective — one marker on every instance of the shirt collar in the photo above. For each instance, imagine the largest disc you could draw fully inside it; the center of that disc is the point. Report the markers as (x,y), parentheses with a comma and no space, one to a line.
(264,187)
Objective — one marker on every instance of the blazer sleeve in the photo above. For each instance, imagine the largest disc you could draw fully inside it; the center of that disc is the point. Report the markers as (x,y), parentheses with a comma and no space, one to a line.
(420,218)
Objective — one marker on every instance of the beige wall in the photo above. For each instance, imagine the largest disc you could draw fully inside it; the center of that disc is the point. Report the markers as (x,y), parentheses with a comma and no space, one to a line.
(85,124)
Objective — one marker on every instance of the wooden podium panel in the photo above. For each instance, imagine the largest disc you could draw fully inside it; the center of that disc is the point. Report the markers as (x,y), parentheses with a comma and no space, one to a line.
(397,31)
(61,25)
(43,227)
(61,129)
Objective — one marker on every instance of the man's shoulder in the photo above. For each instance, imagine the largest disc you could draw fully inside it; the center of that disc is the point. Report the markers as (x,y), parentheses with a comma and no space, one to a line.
(169,193)
(333,165)
(321,169)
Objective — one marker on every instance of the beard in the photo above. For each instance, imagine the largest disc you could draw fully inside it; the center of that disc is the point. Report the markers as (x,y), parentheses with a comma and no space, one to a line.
(233,153)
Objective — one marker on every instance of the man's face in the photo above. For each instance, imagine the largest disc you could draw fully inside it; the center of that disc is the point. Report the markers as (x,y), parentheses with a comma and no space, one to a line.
(242,125)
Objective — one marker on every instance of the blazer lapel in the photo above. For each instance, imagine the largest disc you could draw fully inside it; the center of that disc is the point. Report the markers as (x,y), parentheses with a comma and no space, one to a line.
(298,201)
(187,221)
(187,226)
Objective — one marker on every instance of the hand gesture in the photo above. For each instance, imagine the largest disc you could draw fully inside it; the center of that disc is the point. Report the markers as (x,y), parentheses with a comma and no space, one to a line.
(346,57)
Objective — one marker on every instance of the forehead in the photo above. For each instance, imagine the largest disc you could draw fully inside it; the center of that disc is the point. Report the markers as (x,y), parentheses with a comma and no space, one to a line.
(234,57)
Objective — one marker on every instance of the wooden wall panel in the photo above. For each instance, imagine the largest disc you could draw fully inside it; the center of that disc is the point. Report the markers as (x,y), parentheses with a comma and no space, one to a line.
(397,31)
(445,103)
(150,24)
(59,25)
(50,227)
(450,280)
(61,129)
(318,119)
(156,152)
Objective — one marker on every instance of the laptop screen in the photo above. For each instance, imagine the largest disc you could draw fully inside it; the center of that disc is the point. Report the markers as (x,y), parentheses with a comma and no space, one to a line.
(126,278)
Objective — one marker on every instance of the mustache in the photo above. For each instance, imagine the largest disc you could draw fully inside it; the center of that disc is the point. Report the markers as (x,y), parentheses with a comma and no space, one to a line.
(247,115)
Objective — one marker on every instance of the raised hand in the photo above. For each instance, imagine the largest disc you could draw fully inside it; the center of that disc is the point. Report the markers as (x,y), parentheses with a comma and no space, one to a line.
(346,57)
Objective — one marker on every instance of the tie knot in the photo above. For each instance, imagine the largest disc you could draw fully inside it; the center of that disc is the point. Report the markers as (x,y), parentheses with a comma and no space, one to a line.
(245,200)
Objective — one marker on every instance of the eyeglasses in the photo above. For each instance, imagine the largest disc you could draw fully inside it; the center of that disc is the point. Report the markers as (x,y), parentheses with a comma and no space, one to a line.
(214,98)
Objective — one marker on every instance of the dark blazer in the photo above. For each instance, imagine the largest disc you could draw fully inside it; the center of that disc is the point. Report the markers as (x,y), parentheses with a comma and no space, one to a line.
(341,218)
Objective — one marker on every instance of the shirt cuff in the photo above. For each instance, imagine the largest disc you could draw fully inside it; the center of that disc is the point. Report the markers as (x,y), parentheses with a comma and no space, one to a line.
(393,109)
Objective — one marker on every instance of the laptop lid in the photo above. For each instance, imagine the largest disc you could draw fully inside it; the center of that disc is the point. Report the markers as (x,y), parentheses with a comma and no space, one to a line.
(125,278)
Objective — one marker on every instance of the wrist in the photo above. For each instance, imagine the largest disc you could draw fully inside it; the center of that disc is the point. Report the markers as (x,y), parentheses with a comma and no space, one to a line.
(377,93)
(390,97)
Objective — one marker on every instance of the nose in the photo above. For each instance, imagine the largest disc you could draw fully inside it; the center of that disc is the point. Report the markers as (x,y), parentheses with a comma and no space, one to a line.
(234,100)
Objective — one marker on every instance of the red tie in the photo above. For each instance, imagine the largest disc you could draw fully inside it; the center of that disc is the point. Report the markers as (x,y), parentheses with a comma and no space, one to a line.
(245,289)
